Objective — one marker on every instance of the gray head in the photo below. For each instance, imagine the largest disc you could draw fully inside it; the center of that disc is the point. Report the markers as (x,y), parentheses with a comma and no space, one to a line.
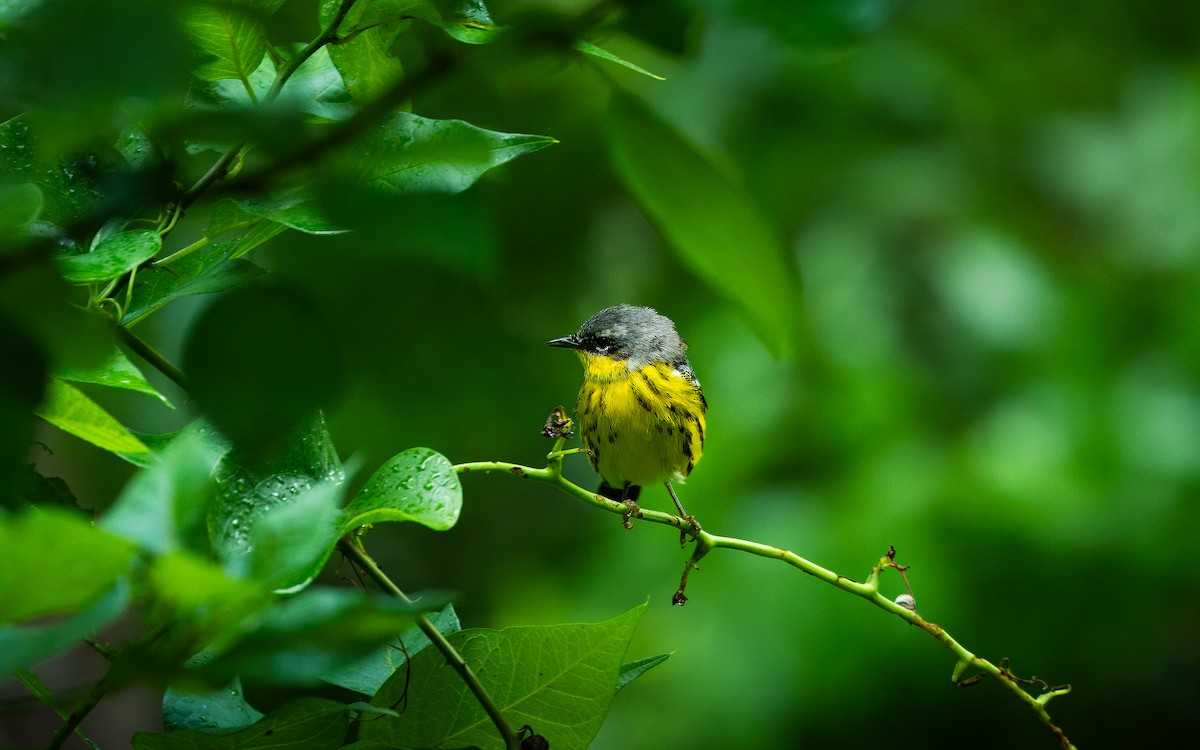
(624,332)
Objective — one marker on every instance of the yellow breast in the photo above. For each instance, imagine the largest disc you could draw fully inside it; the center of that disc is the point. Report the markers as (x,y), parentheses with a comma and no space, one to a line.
(642,426)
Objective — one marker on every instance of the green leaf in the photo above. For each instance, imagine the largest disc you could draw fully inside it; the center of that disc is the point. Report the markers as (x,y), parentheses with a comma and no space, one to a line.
(310,723)
(409,153)
(277,515)
(213,711)
(590,49)
(196,603)
(69,188)
(23,646)
(371,27)
(115,372)
(467,21)
(68,409)
(116,255)
(86,563)
(164,507)
(713,227)
(206,271)
(315,88)
(632,670)
(20,204)
(416,485)
(233,40)
(320,631)
(367,675)
(560,677)
(293,208)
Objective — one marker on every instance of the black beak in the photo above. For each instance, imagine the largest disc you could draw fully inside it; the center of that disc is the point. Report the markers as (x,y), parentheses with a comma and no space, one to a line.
(566,342)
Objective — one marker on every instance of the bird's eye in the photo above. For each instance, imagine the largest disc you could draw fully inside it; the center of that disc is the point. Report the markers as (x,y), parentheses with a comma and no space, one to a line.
(602,344)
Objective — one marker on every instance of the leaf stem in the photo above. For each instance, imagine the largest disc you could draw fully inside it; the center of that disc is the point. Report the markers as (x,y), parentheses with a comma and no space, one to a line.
(151,355)
(90,701)
(353,549)
(706,542)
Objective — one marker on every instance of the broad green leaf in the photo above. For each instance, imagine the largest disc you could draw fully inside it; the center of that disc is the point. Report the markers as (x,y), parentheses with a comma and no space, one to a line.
(315,88)
(228,217)
(632,670)
(560,678)
(713,227)
(310,723)
(69,189)
(67,408)
(116,255)
(164,507)
(317,632)
(277,516)
(367,675)
(209,712)
(293,208)
(409,153)
(232,38)
(115,372)
(590,49)
(371,27)
(416,485)
(206,271)
(86,563)
(26,645)
(290,544)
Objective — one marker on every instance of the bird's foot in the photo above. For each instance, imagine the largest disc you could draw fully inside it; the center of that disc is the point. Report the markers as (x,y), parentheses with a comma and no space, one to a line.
(632,511)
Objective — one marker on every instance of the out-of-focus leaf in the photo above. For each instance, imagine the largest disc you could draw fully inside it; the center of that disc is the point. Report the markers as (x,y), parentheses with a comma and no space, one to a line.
(319,631)
(205,271)
(311,723)
(116,255)
(116,372)
(190,589)
(711,225)
(416,485)
(20,204)
(409,153)
(819,22)
(25,645)
(216,711)
(590,49)
(67,408)
(452,231)
(164,506)
(261,330)
(560,676)
(87,561)
(368,674)
(22,386)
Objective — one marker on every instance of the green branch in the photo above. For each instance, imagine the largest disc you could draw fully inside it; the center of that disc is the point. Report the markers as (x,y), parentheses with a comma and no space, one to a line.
(869,590)
(352,548)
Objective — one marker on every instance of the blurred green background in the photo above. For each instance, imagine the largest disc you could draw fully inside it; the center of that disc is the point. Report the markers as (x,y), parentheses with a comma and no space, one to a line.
(993,211)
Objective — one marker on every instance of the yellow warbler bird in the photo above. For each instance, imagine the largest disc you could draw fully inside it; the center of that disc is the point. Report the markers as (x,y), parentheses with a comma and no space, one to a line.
(640,411)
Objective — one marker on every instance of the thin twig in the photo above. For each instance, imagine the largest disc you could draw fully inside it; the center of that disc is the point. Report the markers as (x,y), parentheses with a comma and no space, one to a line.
(353,549)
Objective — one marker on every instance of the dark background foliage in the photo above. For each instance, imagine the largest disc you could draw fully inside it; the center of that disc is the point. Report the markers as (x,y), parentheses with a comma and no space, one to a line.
(992,214)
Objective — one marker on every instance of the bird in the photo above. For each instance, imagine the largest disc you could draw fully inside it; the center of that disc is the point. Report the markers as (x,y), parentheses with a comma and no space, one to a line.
(640,411)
